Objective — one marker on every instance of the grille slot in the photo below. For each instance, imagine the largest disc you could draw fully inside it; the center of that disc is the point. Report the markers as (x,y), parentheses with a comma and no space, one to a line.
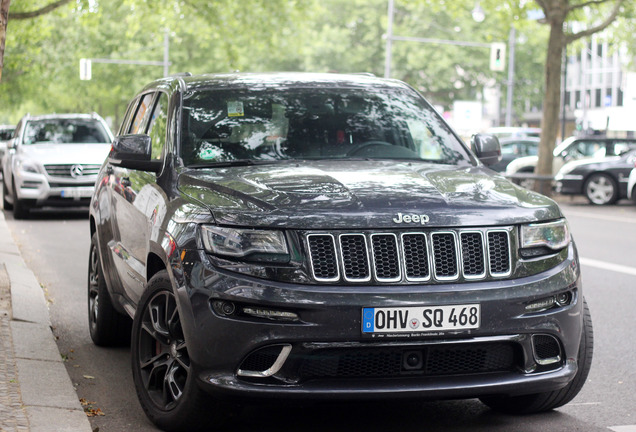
(386,257)
(445,256)
(323,257)
(499,253)
(355,257)
(474,264)
(415,250)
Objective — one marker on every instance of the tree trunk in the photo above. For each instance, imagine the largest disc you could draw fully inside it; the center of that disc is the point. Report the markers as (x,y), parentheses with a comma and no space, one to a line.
(551,103)
(4,18)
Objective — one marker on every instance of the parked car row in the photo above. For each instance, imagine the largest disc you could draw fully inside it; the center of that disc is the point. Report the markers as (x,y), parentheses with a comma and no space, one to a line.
(596,167)
(53,160)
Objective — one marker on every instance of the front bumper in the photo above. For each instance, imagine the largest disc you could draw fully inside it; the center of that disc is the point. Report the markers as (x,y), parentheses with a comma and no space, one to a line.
(40,190)
(326,354)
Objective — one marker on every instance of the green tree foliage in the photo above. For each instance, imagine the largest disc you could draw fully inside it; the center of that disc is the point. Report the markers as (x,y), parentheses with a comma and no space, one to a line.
(42,55)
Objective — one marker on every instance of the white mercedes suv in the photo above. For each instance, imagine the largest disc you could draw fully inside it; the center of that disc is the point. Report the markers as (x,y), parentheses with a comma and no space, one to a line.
(53,160)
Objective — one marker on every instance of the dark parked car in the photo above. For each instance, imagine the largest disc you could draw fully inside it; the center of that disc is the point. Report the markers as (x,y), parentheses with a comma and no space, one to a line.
(513,148)
(603,181)
(320,236)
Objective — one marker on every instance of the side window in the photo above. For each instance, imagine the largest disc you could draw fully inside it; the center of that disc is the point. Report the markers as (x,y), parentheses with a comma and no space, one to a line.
(621,147)
(585,149)
(157,126)
(141,116)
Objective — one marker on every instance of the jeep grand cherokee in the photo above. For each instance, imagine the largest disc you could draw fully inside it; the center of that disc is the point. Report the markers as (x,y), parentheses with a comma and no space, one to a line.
(325,236)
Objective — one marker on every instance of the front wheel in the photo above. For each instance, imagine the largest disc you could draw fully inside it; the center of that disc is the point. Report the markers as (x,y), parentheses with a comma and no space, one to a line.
(601,189)
(21,209)
(540,402)
(5,204)
(163,374)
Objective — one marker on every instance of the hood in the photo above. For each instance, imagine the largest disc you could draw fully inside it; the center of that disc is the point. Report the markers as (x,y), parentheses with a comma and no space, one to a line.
(362,194)
(64,154)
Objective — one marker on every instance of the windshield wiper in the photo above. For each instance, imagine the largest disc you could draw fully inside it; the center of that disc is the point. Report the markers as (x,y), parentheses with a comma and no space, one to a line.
(233,163)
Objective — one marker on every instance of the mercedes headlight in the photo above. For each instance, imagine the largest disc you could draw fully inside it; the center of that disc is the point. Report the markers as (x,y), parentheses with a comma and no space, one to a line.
(26,165)
(539,236)
(247,244)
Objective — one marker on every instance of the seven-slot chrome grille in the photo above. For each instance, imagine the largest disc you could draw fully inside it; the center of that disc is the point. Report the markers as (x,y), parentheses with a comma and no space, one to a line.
(422,256)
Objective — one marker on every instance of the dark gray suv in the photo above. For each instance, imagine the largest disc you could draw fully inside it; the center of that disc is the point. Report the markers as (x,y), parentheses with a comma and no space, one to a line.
(325,236)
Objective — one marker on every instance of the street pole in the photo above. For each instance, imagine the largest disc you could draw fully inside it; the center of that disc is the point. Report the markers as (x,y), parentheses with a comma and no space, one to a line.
(166,51)
(511,76)
(389,41)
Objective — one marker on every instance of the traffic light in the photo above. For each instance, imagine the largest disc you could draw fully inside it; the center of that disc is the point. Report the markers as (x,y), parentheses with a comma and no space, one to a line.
(497,56)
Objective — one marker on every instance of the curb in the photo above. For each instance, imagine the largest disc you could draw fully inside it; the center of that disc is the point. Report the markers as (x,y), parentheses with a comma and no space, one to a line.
(48,396)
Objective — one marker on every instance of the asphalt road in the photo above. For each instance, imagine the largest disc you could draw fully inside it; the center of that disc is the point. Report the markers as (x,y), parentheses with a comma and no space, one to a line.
(55,245)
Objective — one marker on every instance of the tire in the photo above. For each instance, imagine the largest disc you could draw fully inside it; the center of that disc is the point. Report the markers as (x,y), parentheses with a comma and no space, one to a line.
(601,189)
(541,402)
(162,372)
(5,204)
(107,326)
(21,209)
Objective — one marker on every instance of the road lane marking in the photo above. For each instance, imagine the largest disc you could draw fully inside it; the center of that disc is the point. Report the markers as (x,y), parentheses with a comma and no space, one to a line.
(608,266)
(631,220)
(630,428)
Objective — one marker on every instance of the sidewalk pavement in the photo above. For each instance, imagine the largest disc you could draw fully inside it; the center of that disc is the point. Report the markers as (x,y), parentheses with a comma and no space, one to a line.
(36,393)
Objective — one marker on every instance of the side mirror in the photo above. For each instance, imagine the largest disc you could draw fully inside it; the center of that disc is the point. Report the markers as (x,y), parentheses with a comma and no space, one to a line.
(487,148)
(133,152)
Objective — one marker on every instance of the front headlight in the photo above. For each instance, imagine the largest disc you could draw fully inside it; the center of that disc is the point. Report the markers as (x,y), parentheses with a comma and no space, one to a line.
(249,244)
(26,165)
(552,235)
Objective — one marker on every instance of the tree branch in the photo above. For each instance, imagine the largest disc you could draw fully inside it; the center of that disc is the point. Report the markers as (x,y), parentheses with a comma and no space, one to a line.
(588,3)
(541,4)
(575,36)
(36,13)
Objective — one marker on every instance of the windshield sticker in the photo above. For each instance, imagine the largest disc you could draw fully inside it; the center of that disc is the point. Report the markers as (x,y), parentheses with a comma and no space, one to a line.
(209,152)
(235,109)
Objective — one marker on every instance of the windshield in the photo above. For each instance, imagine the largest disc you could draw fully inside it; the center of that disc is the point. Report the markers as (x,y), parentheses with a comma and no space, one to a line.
(221,126)
(65,131)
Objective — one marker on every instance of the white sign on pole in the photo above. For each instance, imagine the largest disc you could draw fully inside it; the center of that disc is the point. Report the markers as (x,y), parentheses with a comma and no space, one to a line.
(85,69)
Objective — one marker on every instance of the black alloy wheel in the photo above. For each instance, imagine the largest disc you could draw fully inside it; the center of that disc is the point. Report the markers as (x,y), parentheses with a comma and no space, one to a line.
(107,326)
(162,371)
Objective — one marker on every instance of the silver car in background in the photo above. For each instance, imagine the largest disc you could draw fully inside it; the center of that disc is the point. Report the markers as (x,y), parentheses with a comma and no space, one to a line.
(53,160)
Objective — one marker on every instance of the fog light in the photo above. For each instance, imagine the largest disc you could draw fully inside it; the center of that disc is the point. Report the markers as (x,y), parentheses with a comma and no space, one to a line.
(564,298)
(270,314)
(224,307)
